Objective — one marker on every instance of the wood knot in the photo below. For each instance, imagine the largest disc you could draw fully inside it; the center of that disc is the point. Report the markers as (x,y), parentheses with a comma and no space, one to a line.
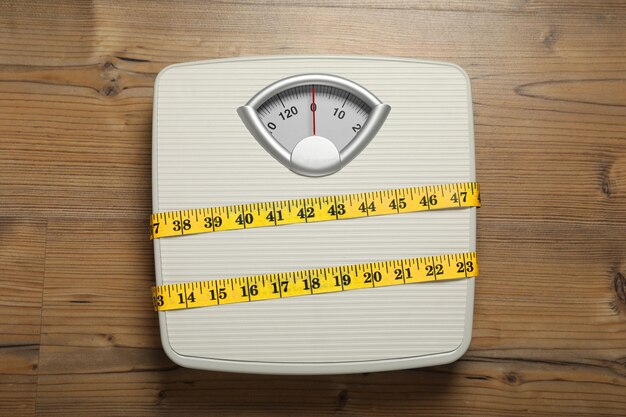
(606,187)
(619,285)
(34,367)
(162,394)
(108,65)
(511,378)
(550,37)
(110,338)
(342,399)
(110,90)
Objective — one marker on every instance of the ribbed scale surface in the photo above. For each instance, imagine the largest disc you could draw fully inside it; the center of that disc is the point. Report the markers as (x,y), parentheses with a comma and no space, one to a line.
(206,157)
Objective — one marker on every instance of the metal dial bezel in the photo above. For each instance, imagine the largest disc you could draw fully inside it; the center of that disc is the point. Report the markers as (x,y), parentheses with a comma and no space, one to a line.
(377,116)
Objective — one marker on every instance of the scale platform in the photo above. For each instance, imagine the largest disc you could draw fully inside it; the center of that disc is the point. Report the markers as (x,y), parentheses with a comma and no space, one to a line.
(222,136)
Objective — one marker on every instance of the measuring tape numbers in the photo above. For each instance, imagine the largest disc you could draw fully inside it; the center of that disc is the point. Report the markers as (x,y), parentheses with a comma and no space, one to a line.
(315,209)
(314,281)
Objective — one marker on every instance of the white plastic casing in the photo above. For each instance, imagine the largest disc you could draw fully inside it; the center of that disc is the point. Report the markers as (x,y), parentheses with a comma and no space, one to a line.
(204,156)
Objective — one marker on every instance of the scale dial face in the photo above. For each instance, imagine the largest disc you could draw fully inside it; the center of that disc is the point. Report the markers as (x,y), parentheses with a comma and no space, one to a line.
(314,124)
(314,110)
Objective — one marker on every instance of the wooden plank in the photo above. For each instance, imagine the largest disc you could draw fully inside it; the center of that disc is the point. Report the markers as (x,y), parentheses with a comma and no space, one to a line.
(550,120)
(90,89)
(106,275)
(22,257)
(552,342)
(466,388)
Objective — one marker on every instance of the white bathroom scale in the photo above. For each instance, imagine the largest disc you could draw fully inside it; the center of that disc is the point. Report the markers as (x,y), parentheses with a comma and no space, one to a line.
(263,129)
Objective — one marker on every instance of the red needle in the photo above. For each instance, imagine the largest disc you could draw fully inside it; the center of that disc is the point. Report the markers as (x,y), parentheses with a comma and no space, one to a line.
(313,106)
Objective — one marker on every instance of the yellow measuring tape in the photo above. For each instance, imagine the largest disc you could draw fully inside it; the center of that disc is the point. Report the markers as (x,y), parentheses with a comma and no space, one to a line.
(315,209)
(314,281)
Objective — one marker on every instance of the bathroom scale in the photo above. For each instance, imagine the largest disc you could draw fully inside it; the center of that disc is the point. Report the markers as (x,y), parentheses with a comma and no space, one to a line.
(244,131)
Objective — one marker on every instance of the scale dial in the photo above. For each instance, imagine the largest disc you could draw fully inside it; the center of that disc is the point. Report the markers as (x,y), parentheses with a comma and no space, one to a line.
(314,110)
(314,124)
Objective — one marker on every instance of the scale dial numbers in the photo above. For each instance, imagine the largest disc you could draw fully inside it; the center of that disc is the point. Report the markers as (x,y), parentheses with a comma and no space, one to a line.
(289,116)
(314,124)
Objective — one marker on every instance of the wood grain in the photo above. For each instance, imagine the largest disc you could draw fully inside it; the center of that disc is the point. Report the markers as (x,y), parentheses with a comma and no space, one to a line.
(77,334)
(22,258)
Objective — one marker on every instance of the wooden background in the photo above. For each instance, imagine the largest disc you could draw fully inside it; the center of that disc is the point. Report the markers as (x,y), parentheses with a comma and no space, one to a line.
(77,332)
